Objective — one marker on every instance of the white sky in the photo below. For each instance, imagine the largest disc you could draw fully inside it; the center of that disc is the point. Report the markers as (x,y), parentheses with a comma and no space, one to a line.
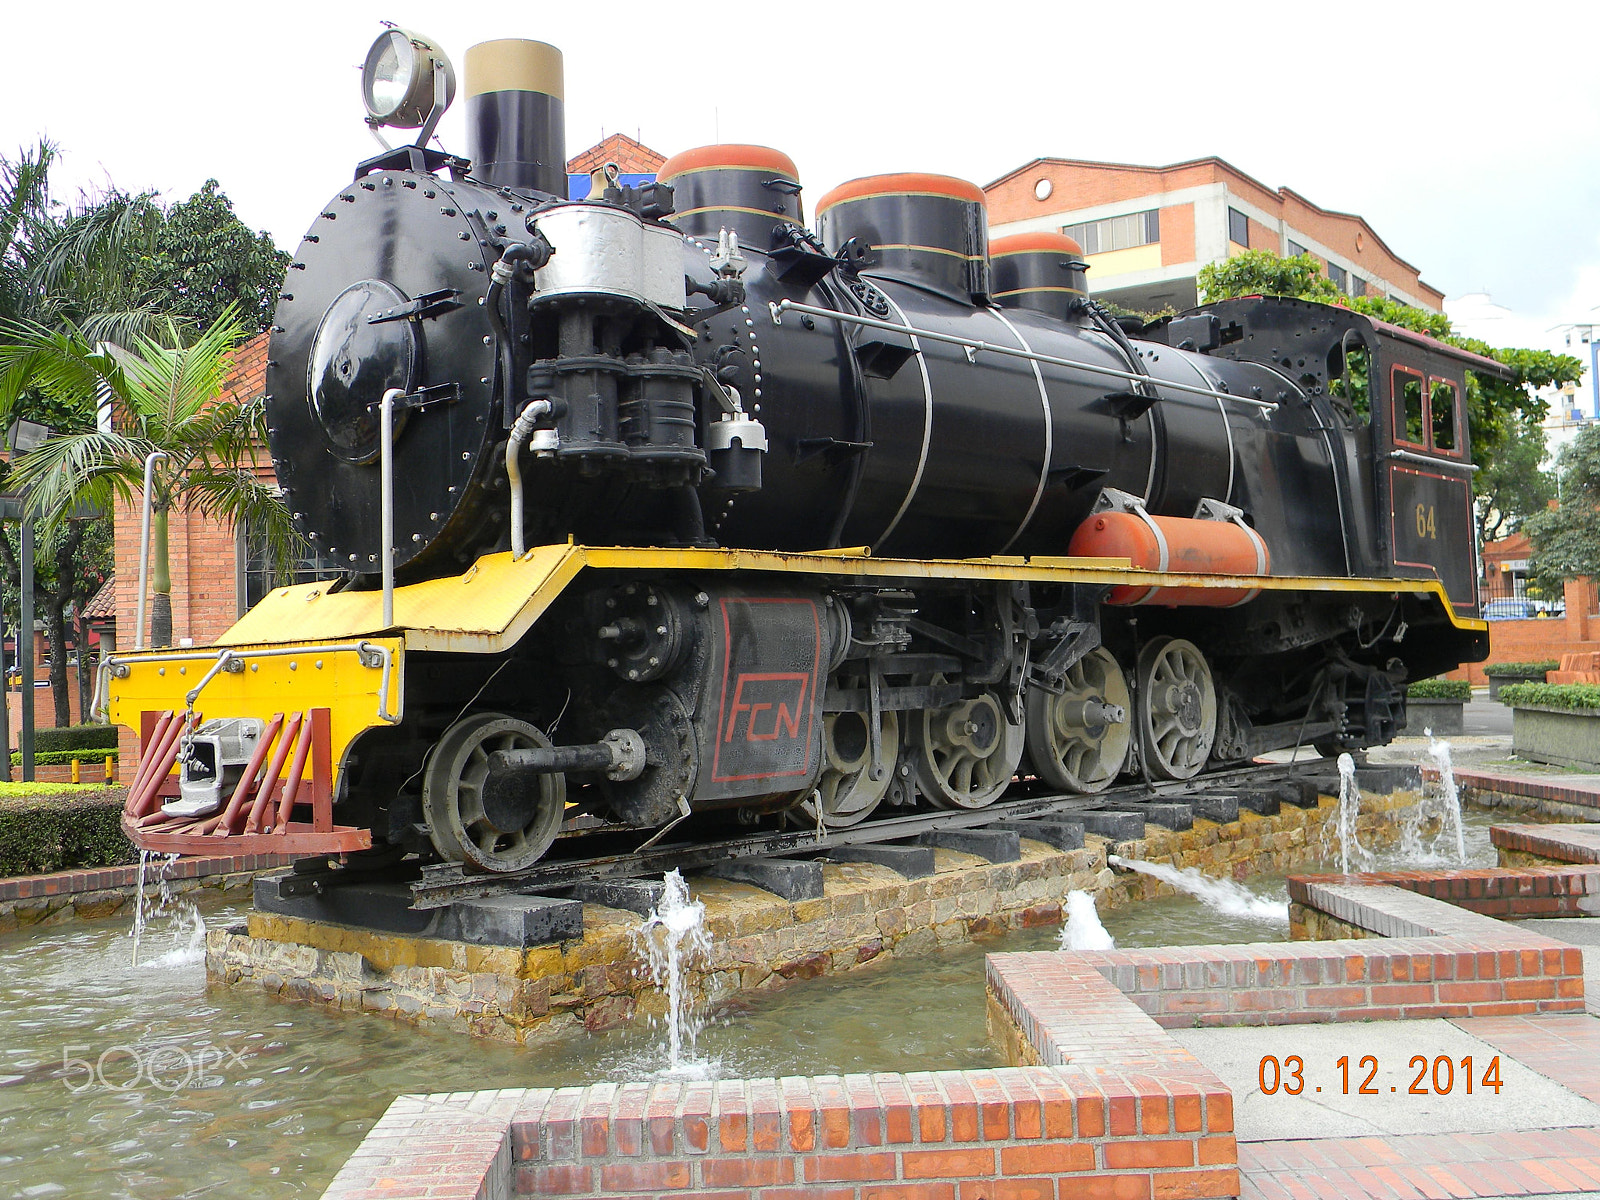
(1467,134)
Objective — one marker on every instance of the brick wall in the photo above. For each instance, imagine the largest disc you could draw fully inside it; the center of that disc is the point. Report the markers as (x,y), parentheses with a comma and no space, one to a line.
(1103,1103)
(1542,637)
(1119,1110)
(1177,235)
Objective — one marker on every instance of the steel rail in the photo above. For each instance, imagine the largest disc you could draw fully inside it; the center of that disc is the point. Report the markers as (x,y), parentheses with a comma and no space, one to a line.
(444,883)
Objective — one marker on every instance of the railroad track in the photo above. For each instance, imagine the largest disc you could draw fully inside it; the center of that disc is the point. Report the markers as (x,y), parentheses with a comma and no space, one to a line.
(444,883)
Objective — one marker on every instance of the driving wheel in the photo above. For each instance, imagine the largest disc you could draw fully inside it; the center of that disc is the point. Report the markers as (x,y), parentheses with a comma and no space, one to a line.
(854,781)
(1177,708)
(966,752)
(1078,741)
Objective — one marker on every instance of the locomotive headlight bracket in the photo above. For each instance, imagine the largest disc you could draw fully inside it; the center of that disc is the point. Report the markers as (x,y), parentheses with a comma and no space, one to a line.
(407,82)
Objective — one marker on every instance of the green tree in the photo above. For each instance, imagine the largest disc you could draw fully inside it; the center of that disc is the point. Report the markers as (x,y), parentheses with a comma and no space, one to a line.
(69,565)
(1263,273)
(168,398)
(61,267)
(1496,409)
(1566,539)
(205,258)
(1514,486)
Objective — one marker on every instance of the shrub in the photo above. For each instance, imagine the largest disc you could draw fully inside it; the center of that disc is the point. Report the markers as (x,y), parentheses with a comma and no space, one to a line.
(1440,689)
(88,758)
(1578,697)
(1521,670)
(41,833)
(75,737)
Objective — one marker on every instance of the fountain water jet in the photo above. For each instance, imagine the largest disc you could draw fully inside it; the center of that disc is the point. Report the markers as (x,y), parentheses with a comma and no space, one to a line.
(1432,831)
(1350,847)
(1223,896)
(1083,930)
(671,937)
(189,927)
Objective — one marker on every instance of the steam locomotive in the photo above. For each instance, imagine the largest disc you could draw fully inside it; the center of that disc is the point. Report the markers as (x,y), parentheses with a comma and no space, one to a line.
(663,502)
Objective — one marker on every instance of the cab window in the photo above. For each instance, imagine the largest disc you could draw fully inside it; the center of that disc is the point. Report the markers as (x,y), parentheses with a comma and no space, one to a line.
(1408,418)
(1442,413)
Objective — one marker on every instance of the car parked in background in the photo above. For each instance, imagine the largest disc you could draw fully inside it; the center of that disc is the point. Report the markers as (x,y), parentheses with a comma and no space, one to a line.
(1521,610)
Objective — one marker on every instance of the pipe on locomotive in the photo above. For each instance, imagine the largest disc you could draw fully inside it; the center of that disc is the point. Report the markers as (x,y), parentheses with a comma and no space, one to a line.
(516,115)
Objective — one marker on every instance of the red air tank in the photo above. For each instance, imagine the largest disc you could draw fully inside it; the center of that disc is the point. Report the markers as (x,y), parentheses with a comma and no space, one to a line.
(1219,545)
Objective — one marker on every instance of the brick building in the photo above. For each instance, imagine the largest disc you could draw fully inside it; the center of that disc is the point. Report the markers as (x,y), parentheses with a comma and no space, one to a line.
(1147,231)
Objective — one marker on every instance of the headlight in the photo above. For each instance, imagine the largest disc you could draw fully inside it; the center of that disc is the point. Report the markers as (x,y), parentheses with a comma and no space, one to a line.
(397,80)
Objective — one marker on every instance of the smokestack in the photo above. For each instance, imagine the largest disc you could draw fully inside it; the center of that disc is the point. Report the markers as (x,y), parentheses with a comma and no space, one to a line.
(516,123)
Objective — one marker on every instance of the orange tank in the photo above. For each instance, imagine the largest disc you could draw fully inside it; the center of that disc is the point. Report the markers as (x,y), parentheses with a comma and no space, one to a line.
(1181,545)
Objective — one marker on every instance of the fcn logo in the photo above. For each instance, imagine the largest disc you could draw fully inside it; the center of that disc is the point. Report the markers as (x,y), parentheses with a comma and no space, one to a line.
(766,707)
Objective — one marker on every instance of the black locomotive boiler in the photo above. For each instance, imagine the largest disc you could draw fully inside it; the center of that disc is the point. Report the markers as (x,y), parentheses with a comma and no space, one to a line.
(665,501)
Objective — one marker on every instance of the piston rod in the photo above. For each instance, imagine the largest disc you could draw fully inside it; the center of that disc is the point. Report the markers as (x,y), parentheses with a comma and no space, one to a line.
(620,755)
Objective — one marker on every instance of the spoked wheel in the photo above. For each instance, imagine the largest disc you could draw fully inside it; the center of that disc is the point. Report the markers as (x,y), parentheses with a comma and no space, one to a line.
(491,833)
(1079,740)
(1177,708)
(847,788)
(967,752)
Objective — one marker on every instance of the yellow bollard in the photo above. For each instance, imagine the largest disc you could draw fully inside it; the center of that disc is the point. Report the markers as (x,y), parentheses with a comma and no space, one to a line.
(110,771)
(75,778)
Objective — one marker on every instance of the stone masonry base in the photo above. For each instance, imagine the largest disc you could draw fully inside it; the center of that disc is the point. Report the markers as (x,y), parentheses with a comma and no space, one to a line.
(759,941)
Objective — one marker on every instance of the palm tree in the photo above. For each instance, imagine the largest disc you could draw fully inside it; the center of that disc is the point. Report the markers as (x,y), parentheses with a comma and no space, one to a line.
(167,397)
(86,267)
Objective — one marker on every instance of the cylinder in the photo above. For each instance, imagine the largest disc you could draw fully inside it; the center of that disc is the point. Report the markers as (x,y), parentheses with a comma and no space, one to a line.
(930,230)
(749,190)
(516,121)
(1182,545)
(1040,271)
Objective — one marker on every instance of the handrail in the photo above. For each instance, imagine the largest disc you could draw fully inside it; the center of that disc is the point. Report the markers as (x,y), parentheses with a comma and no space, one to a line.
(1427,460)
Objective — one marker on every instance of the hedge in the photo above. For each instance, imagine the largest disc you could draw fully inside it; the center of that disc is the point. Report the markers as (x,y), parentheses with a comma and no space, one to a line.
(75,737)
(39,834)
(1522,670)
(1440,689)
(1577,697)
(47,757)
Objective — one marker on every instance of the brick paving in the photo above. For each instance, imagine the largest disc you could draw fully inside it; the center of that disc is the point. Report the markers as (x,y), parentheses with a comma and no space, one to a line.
(1423,1166)
(1565,1049)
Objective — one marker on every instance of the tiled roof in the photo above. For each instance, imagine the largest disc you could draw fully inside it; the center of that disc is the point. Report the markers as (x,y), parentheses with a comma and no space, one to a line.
(103,607)
(634,158)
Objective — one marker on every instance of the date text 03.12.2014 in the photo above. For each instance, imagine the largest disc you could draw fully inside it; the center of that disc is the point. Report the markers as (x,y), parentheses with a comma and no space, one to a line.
(1439,1076)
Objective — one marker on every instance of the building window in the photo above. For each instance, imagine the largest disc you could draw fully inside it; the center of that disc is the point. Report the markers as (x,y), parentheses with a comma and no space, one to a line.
(1117,233)
(260,575)
(1238,228)
(1358,286)
(1295,248)
(1340,277)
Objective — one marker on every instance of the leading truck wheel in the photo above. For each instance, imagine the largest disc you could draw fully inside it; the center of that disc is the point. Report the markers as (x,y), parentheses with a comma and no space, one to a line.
(499,834)
(1177,708)
(967,752)
(1078,741)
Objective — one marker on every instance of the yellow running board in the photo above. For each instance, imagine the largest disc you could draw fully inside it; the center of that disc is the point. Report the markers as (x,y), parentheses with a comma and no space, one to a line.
(488,608)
